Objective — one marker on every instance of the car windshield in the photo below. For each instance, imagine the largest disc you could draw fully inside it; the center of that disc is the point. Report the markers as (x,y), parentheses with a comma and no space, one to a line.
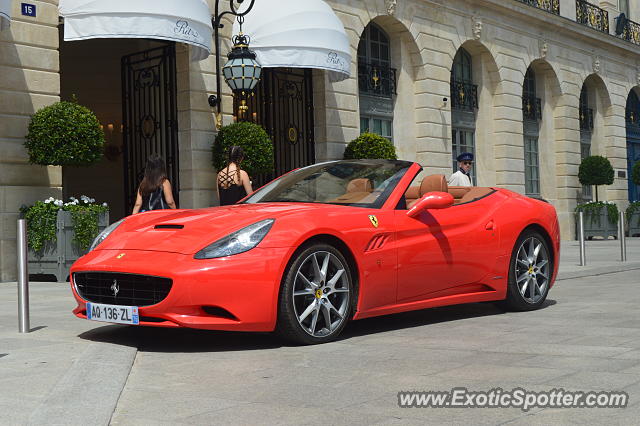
(361,183)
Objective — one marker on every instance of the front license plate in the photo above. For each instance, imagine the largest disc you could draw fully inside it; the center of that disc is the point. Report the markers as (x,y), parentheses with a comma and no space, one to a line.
(113,313)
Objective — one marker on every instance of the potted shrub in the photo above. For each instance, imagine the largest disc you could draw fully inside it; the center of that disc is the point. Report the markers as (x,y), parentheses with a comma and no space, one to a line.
(255,142)
(59,233)
(595,170)
(64,134)
(601,218)
(370,145)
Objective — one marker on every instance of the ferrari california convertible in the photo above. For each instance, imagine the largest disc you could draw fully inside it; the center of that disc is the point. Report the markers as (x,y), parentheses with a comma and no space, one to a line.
(319,246)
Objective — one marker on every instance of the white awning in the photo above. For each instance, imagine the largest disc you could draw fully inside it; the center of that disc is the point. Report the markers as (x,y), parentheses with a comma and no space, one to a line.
(185,21)
(298,34)
(5,14)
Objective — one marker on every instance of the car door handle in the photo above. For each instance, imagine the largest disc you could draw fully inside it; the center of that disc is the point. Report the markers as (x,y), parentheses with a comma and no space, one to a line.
(490,226)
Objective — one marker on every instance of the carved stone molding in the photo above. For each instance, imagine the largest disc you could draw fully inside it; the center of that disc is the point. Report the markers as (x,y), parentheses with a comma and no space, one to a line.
(596,64)
(544,48)
(391,6)
(476,27)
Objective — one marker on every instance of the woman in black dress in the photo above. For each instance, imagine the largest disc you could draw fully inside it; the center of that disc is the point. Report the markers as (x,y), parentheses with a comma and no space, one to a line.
(154,192)
(233,182)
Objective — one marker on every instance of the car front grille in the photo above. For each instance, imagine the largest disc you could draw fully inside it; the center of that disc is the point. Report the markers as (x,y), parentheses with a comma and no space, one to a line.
(114,288)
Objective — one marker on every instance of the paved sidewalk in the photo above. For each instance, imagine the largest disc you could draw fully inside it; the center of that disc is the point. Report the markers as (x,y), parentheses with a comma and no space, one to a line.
(603,257)
(70,371)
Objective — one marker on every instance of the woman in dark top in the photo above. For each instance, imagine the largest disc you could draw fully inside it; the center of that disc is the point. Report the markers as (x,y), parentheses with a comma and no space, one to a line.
(233,182)
(154,192)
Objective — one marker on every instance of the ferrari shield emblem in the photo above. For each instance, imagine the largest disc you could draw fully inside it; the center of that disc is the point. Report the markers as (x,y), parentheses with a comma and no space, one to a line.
(374,220)
(120,256)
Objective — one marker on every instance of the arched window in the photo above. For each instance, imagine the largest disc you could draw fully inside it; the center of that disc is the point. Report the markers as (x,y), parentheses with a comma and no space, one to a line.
(633,141)
(464,102)
(586,128)
(376,82)
(531,114)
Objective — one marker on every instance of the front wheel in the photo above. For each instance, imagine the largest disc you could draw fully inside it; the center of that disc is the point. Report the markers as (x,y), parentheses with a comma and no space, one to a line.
(530,272)
(315,299)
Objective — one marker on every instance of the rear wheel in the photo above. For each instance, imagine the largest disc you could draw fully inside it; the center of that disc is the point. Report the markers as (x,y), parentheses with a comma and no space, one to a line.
(315,299)
(530,272)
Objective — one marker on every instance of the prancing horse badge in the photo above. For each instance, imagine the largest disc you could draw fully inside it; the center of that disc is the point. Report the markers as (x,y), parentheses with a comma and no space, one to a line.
(374,220)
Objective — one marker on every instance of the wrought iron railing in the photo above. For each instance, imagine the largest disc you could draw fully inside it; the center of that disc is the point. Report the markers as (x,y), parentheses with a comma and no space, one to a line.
(586,119)
(551,6)
(531,108)
(592,16)
(631,32)
(464,95)
(375,79)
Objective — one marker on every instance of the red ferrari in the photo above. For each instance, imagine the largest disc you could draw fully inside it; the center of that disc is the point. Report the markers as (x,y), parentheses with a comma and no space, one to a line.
(319,246)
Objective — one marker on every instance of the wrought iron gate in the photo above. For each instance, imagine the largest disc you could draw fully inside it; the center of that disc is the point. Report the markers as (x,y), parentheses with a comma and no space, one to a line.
(283,105)
(149,111)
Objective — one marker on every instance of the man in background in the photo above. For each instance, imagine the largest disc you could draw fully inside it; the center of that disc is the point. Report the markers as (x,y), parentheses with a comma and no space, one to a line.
(463,176)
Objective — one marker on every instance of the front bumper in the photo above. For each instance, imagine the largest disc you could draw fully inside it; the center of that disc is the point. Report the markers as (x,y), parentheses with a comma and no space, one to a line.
(238,292)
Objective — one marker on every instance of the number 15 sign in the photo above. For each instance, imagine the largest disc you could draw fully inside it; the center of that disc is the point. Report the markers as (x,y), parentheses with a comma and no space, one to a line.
(28,9)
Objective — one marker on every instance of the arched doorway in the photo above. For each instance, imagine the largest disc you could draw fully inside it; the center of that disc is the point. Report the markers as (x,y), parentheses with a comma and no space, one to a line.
(633,141)
(464,102)
(532,115)
(376,82)
(586,131)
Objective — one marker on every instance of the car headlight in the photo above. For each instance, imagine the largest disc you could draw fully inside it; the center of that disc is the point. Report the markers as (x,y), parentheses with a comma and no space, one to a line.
(237,242)
(104,234)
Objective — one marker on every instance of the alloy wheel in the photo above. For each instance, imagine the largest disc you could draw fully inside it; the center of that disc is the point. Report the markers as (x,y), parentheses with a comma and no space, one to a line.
(321,294)
(532,270)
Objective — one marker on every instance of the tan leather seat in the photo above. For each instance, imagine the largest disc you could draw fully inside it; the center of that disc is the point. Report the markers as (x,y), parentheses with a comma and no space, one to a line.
(474,193)
(431,183)
(359,185)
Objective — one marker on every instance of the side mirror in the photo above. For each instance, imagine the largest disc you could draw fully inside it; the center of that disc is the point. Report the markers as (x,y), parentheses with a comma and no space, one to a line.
(431,200)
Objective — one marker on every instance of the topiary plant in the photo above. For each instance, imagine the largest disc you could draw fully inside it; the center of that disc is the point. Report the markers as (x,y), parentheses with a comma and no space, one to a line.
(595,170)
(255,142)
(635,173)
(370,145)
(64,134)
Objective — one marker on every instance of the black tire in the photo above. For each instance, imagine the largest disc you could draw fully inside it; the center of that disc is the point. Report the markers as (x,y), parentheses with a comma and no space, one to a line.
(321,299)
(521,296)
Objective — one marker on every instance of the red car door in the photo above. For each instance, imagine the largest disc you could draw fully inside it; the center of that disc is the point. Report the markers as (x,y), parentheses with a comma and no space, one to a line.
(442,249)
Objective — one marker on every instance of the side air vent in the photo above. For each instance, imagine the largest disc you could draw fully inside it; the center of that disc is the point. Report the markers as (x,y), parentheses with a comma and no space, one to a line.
(168,226)
(377,242)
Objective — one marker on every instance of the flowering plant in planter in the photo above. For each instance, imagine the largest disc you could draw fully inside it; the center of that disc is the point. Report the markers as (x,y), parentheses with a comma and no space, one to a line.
(42,216)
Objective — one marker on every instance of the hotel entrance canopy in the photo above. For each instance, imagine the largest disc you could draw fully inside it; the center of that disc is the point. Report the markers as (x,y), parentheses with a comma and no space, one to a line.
(5,13)
(184,21)
(298,34)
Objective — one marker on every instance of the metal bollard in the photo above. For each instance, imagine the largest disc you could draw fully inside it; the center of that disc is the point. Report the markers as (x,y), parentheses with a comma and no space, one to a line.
(23,279)
(622,236)
(583,256)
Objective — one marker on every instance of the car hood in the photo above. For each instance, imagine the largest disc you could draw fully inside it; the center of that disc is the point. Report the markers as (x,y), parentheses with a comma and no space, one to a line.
(188,231)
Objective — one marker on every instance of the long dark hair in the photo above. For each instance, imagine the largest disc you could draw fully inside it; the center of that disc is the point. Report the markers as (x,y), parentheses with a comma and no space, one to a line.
(236,155)
(155,174)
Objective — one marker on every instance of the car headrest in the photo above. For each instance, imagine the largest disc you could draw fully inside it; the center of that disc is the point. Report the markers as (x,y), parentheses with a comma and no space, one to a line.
(360,185)
(413,192)
(433,183)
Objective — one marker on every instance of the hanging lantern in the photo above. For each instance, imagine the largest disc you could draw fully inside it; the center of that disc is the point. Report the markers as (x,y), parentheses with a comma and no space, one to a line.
(242,71)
